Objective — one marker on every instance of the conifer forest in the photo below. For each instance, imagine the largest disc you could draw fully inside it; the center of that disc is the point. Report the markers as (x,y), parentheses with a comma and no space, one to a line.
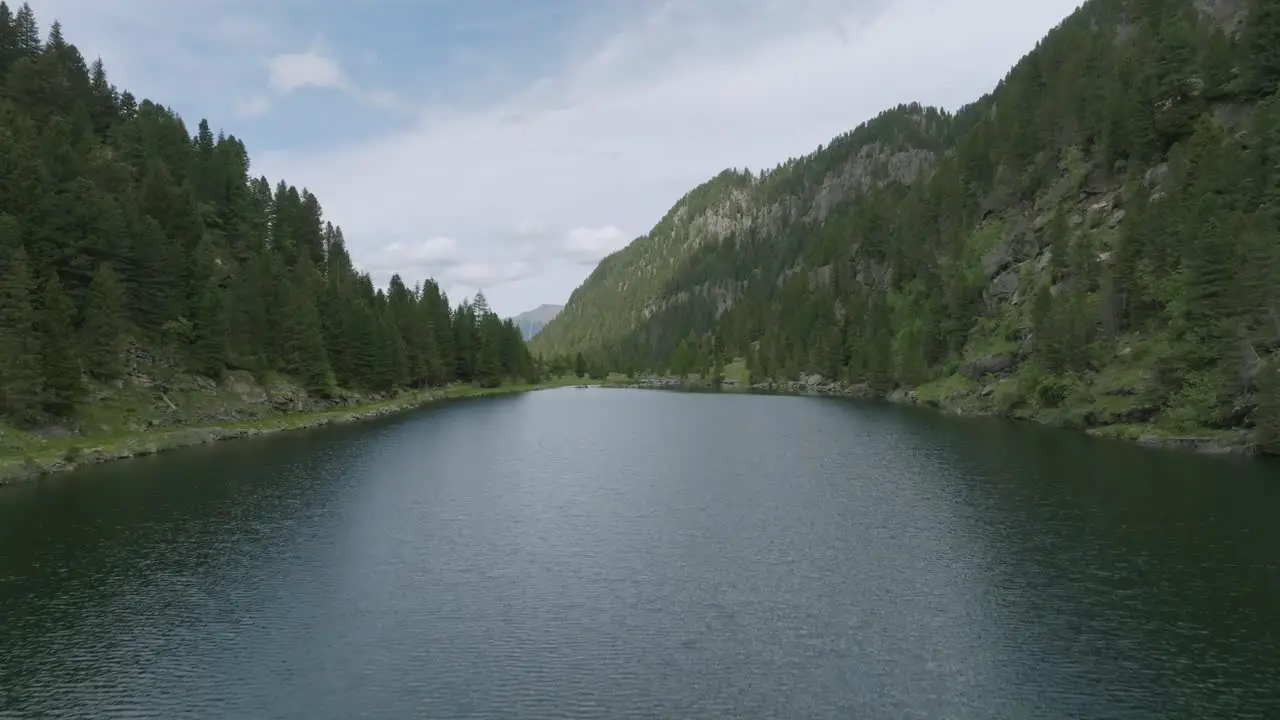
(127,242)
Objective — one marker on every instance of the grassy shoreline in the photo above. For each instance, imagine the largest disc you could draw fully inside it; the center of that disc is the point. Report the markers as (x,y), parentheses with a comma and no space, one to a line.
(65,454)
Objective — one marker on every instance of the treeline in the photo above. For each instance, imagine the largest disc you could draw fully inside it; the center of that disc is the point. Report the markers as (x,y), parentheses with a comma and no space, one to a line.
(119,230)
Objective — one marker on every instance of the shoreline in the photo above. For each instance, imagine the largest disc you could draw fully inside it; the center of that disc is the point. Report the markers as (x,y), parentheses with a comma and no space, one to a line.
(1238,443)
(91,450)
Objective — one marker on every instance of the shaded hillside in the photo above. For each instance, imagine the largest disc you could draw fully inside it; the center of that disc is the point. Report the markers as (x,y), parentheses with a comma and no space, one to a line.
(531,322)
(1095,242)
(136,256)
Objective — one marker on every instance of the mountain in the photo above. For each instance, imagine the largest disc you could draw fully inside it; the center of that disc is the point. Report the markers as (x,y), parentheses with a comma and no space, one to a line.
(532,321)
(135,256)
(1096,242)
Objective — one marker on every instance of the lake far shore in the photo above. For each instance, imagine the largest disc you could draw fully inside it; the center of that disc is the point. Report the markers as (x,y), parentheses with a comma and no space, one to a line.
(1206,442)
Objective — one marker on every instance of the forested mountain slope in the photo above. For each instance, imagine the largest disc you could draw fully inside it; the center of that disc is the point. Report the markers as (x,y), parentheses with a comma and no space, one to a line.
(724,214)
(134,256)
(1093,243)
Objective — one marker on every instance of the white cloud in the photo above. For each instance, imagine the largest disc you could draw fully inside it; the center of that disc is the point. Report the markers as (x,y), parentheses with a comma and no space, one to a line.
(315,68)
(291,71)
(480,275)
(412,258)
(590,244)
(536,239)
(646,114)
(253,107)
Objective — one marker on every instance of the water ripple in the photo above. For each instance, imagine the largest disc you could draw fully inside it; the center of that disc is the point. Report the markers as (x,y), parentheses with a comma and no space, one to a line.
(646,555)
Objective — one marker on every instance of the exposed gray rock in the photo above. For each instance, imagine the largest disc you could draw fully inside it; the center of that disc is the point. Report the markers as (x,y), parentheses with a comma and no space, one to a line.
(1227,14)
(902,395)
(1003,287)
(1016,243)
(1043,260)
(988,365)
(1232,116)
(1056,194)
(1026,345)
(820,277)
(996,202)
(1157,177)
(1097,210)
(872,166)
(872,273)
(997,260)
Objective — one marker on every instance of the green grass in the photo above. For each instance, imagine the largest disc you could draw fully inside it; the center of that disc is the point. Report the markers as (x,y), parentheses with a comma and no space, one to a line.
(945,392)
(984,238)
(118,415)
(737,370)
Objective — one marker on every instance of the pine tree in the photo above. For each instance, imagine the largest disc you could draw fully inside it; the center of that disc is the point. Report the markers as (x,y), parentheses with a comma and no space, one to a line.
(102,333)
(59,356)
(27,31)
(1260,40)
(210,327)
(21,379)
(9,50)
(150,271)
(301,341)
(1205,310)
(1058,241)
(1049,343)
(392,361)
(488,361)
(879,362)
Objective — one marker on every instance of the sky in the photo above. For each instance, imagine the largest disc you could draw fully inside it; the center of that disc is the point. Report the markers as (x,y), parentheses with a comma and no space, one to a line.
(506,146)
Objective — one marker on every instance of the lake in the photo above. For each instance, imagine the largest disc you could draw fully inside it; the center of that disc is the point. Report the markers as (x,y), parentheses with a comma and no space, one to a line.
(645,554)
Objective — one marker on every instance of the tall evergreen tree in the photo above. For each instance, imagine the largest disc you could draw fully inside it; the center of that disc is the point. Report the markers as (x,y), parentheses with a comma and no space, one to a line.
(59,356)
(210,326)
(21,378)
(103,330)
(1260,40)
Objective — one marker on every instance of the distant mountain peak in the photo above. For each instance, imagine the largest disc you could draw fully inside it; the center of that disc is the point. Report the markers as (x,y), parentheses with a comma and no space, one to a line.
(532,321)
